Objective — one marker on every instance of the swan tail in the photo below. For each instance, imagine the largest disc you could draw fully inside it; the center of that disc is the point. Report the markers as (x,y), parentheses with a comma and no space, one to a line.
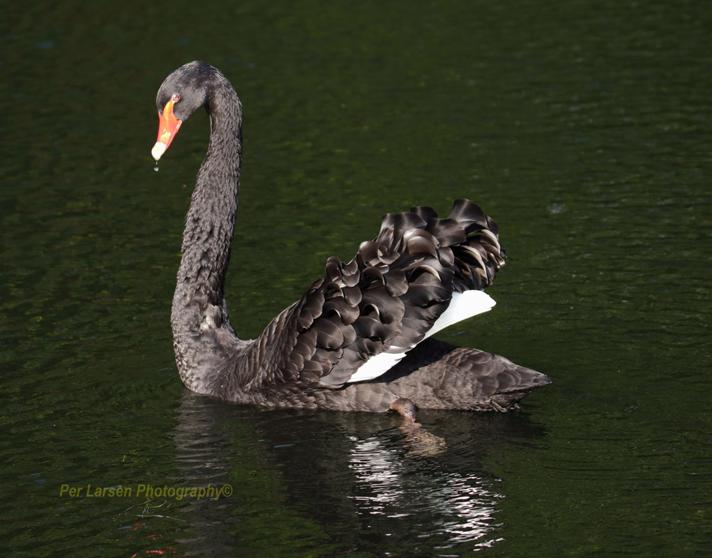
(437,375)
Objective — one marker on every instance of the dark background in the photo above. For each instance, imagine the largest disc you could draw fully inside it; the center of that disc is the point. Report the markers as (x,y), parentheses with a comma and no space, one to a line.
(582,128)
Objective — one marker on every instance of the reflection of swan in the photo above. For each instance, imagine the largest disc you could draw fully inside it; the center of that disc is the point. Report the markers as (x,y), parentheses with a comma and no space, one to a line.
(471,501)
(218,444)
(328,482)
(204,456)
(458,509)
(377,470)
(421,274)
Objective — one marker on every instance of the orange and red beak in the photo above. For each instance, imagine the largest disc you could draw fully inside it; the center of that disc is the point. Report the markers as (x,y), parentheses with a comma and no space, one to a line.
(168,126)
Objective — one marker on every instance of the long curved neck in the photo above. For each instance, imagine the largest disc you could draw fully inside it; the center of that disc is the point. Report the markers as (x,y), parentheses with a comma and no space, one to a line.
(198,303)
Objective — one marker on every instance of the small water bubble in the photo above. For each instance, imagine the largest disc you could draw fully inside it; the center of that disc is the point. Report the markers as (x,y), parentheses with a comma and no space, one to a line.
(155,167)
(556,208)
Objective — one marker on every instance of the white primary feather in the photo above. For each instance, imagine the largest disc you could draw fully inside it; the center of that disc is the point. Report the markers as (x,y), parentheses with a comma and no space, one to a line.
(375,366)
(462,306)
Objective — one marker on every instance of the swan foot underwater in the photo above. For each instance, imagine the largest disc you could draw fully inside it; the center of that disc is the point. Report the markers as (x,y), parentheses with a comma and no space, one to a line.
(359,339)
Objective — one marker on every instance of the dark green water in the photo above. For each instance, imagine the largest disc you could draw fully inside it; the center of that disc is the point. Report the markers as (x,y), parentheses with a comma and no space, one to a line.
(583,128)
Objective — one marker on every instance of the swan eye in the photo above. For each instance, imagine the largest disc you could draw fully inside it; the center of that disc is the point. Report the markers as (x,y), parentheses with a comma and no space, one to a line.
(175,98)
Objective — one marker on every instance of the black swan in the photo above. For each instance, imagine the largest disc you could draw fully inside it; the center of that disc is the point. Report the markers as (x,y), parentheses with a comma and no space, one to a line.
(359,337)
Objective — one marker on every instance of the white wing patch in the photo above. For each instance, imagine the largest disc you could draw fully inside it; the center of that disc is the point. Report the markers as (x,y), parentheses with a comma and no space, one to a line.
(375,366)
(462,306)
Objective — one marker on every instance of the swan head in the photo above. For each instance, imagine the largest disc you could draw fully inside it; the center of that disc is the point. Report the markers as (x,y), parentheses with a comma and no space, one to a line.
(180,95)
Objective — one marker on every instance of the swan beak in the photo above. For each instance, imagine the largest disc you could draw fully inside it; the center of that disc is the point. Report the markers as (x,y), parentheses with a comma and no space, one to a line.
(168,126)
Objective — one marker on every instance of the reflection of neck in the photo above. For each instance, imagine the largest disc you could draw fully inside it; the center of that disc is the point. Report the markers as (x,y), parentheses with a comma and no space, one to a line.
(204,448)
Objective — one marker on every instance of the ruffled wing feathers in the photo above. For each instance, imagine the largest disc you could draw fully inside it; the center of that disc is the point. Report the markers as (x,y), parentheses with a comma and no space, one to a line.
(387,298)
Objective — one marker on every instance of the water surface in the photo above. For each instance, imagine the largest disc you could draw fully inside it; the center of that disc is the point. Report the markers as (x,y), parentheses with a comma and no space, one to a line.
(583,129)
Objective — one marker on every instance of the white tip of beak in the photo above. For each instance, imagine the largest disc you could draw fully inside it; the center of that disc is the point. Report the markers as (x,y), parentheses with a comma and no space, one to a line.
(158,150)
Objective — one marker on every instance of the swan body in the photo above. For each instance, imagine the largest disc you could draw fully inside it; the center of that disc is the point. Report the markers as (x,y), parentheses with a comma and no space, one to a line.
(359,339)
